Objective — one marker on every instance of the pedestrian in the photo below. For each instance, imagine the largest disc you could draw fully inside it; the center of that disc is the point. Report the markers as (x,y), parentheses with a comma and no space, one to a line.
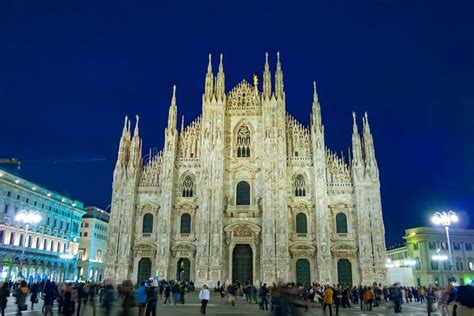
(108,299)
(34,295)
(264,297)
(204,296)
(141,298)
(4,294)
(396,296)
(21,294)
(129,300)
(232,291)
(327,299)
(92,294)
(68,303)
(167,293)
(175,290)
(50,295)
(151,298)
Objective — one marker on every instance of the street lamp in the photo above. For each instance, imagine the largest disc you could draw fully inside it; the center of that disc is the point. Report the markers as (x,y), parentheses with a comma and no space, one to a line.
(445,219)
(27,218)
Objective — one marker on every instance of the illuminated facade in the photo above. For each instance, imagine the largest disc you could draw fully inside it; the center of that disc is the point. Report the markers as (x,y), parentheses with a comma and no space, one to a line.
(246,192)
(94,231)
(428,248)
(51,246)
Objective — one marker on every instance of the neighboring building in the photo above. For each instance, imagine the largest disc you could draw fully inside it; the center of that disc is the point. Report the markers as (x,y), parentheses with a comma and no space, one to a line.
(400,266)
(246,192)
(51,246)
(422,243)
(94,231)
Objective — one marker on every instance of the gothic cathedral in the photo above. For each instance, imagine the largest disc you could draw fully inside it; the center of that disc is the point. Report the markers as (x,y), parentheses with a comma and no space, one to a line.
(246,193)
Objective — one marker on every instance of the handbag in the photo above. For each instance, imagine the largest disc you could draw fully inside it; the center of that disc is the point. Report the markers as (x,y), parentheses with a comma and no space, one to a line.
(24,307)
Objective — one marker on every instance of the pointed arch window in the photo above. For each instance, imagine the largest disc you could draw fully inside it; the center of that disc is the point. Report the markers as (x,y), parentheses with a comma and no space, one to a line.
(147,227)
(300,186)
(185,227)
(341,223)
(301,223)
(243,193)
(243,141)
(188,186)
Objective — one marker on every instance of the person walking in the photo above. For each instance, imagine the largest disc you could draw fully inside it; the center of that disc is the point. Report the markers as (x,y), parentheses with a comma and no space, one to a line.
(327,299)
(204,296)
(141,298)
(175,290)
(34,295)
(4,294)
(151,298)
(21,294)
(167,293)
(49,296)
(108,299)
(68,303)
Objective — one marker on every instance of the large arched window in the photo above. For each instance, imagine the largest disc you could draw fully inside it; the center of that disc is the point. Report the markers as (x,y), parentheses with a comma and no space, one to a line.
(243,193)
(300,186)
(187,186)
(147,227)
(301,224)
(185,227)
(243,141)
(341,223)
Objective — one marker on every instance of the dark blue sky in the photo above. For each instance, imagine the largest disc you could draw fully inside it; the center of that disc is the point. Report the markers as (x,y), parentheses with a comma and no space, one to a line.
(69,72)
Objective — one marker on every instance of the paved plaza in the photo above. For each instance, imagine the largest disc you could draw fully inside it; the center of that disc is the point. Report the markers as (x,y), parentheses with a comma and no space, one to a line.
(218,306)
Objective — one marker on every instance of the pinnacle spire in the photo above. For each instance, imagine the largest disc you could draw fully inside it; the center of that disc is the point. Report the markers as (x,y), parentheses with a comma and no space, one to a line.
(135,132)
(220,83)
(182,123)
(173,98)
(279,93)
(356,143)
(316,110)
(315,93)
(173,111)
(369,150)
(209,82)
(267,79)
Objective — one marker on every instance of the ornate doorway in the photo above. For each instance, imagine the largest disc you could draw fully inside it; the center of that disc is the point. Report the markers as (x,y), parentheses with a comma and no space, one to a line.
(144,269)
(303,275)
(242,264)
(344,272)
(183,270)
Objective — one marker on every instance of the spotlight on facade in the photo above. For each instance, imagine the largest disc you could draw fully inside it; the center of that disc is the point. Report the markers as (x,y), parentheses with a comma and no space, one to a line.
(440,257)
(66,256)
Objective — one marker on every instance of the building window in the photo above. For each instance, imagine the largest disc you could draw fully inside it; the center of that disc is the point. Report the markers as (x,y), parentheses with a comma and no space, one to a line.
(432,245)
(147,227)
(5,210)
(86,225)
(300,186)
(85,234)
(187,186)
(415,246)
(243,141)
(417,264)
(301,224)
(456,246)
(468,246)
(341,223)
(434,265)
(459,265)
(27,200)
(12,238)
(470,264)
(44,244)
(18,197)
(20,240)
(185,227)
(99,255)
(243,193)
(51,246)
(444,245)
(9,193)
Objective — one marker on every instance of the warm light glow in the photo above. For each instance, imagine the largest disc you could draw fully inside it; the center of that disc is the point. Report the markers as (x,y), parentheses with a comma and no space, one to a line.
(74,204)
(409,262)
(28,217)
(49,194)
(412,234)
(66,256)
(440,257)
(17,181)
(1,174)
(33,188)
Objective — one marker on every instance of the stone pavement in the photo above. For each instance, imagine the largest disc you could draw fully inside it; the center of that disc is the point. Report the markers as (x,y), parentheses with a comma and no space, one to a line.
(218,306)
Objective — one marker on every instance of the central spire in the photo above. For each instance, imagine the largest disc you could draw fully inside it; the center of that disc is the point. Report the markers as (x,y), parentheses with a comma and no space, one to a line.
(220,84)
(267,79)
(209,88)
(279,92)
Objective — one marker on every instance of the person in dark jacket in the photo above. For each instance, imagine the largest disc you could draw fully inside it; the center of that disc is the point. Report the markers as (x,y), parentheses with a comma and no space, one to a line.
(34,295)
(108,299)
(49,297)
(4,294)
(68,306)
(151,298)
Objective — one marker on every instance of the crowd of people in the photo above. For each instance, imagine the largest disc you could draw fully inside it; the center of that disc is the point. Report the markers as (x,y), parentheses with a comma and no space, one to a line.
(279,298)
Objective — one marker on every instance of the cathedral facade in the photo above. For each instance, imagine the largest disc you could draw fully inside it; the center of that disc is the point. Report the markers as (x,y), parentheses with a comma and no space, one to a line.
(246,193)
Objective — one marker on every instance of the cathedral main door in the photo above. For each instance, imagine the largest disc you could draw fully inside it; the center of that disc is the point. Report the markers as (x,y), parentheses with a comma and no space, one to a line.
(242,264)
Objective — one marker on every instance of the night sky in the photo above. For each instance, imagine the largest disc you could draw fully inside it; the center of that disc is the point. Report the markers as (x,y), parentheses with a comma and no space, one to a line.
(70,72)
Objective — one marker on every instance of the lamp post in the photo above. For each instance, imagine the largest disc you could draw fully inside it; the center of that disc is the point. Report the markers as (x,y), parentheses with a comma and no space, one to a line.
(27,218)
(445,219)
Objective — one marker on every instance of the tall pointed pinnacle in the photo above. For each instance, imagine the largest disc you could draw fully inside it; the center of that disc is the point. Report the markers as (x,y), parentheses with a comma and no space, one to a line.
(220,85)
(356,143)
(368,142)
(124,144)
(279,91)
(182,124)
(135,132)
(209,84)
(173,111)
(316,108)
(267,79)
